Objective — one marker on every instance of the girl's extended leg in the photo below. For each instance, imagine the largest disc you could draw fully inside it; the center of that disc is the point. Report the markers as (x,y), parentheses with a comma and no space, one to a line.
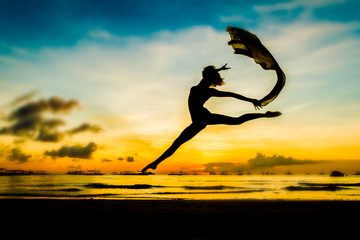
(221,119)
(195,128)
(185,136)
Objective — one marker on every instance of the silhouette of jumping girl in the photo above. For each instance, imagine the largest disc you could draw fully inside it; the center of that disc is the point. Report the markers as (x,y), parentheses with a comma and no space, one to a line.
(201,117)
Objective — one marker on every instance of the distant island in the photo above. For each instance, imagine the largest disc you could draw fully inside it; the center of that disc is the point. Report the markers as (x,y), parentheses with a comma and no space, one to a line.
(6,172)
(88,172)
(95,172)
(337,174)
(132,173)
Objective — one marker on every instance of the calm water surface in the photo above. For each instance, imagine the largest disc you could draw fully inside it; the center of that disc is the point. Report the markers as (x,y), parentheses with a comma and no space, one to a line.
(301,187)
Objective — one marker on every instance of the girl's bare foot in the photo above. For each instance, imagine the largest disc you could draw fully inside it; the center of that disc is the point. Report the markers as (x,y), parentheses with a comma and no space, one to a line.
(152,165)
(270,114)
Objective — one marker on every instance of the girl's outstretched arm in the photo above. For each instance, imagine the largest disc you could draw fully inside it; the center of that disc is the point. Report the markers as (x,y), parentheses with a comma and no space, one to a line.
(256,102)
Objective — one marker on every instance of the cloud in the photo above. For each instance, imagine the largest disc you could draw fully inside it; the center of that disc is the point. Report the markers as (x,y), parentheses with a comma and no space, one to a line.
(54,105)
(28,120)
(37,128)
(76,151)
(128,159)
(85,127)
(291,5)
(17,155)
(308,6)
(24,98)
(106,160)
(47,131)
(259,162)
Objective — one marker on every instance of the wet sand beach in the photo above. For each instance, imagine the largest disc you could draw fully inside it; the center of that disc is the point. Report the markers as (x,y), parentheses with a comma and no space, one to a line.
(181,219)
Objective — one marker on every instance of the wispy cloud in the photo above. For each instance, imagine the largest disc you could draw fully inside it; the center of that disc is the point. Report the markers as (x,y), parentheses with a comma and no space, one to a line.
(24,98)
(292,5)
(85,127)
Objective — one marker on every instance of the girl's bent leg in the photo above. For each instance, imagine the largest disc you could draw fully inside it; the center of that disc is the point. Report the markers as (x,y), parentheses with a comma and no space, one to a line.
(185,136)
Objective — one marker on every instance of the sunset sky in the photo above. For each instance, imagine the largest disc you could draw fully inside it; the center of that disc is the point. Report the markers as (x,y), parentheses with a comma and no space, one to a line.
(104,84)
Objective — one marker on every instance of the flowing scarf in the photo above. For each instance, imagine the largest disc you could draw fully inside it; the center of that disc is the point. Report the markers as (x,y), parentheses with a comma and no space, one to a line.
(248,44)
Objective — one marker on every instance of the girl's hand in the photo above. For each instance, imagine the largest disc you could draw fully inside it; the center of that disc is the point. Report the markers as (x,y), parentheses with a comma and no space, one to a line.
(257,104)
(223,68)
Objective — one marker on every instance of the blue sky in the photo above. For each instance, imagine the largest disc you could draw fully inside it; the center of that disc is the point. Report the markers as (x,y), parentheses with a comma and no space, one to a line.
(130,66)
(41,23)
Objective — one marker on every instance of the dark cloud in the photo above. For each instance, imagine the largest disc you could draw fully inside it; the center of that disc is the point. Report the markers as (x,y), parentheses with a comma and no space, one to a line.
(85,127)
(77,151)
(47,131)
(259,162)
(28,121)
(37,128)
(54,105)
(106,160)
(17,155)
(26,127)
(128,159)
(50,136)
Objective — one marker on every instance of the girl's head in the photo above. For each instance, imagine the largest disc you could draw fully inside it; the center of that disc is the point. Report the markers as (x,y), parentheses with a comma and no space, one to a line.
(212,76)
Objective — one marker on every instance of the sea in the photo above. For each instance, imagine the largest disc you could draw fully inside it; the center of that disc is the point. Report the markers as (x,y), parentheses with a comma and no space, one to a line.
(176,187)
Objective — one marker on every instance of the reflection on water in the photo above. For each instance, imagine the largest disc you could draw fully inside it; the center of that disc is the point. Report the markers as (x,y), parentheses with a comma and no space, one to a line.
(303,187)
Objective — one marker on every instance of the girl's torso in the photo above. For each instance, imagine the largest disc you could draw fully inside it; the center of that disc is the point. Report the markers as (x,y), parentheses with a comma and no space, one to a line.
(197,98)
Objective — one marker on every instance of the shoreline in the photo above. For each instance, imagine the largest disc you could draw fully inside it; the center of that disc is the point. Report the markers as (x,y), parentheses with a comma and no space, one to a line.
(187,219)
